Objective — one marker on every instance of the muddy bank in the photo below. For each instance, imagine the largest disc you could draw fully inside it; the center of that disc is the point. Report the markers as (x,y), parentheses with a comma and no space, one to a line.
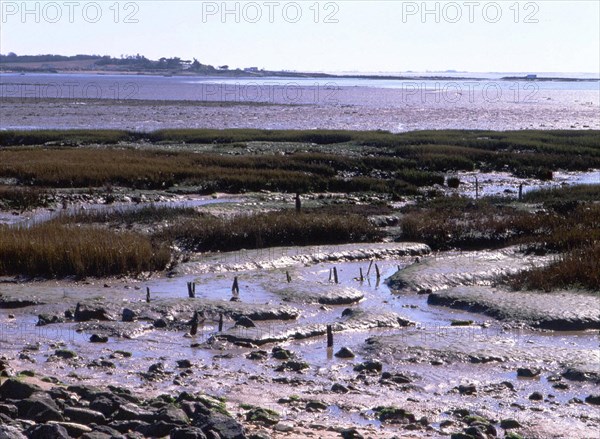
(560,311)
(452,269)
(467,280)
(282,257)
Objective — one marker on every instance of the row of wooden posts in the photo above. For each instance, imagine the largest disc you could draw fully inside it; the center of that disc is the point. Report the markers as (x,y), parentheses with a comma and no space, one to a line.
(235,290)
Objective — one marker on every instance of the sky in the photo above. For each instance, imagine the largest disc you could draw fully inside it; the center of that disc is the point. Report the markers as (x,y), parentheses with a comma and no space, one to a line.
(331,36)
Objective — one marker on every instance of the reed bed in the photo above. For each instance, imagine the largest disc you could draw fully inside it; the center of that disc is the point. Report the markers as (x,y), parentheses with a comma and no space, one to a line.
(55,250)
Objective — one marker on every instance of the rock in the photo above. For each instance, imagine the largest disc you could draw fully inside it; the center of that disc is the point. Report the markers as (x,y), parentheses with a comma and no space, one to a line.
(95,338)
(257,355)
(131,412)
(157,429)
(46,319)
(339,388)
(75,430)
(107,404)
(225,426)
(160,323)
(345,353)
(280,353)
(39,408)
(593,399)
(187,433)
(15,389)
(351,433)
(101,435)
(581,375)
(245,322)
(316,406)
(508,424)
(65,354)
(86,312)
(467,389)
(172,415)
(397,378)
(184,364)
(262,416)
(10,432)
(84,416)
(292,365)
(369,366)
(536,396)
(47,431)
(9,410)
(526,372)
(128,315)
(394,415)
(284,427)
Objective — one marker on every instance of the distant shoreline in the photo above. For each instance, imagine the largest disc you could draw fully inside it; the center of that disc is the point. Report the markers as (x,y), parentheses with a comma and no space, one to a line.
(280,74)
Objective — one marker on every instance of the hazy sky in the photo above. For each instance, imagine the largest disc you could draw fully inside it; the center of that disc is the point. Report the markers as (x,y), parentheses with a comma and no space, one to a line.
(369,36)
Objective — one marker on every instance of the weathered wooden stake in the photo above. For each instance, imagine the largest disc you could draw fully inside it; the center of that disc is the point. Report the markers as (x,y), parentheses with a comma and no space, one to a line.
(335,275)
(361,275)
(191,286)
(221,322)
(330,274)
(288,277)
(298,202)
(329,336)
(235,288)
(369,270)
(377,273)
(148,294)
(521,192)
(476,188)
(194,329)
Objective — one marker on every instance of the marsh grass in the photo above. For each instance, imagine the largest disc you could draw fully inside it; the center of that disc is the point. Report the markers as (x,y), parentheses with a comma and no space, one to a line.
(145,215)
(22,198)
(456,222)
(572,233)
(55,250)
(416,158)
(579,268)
(283,228)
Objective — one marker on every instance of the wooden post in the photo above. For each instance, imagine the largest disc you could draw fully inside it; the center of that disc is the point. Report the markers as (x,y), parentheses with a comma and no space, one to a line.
(377,273)
(521,192)
(361,275)
(194,329)
(221,322)
(147,294)
(476,188)
(329,336)
(330,274)
(288,277)
(235,288)
(369,270)
(298,202)
(335,275)
(191,286)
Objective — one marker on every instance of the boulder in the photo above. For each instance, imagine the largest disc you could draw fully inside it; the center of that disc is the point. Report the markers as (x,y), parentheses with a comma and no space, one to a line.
(15,389)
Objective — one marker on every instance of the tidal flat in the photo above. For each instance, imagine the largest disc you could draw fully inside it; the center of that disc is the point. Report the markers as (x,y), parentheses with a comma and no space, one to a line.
(195,291)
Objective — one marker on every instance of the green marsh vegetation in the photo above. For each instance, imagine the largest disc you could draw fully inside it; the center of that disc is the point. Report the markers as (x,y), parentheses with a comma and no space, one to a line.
(206,161)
